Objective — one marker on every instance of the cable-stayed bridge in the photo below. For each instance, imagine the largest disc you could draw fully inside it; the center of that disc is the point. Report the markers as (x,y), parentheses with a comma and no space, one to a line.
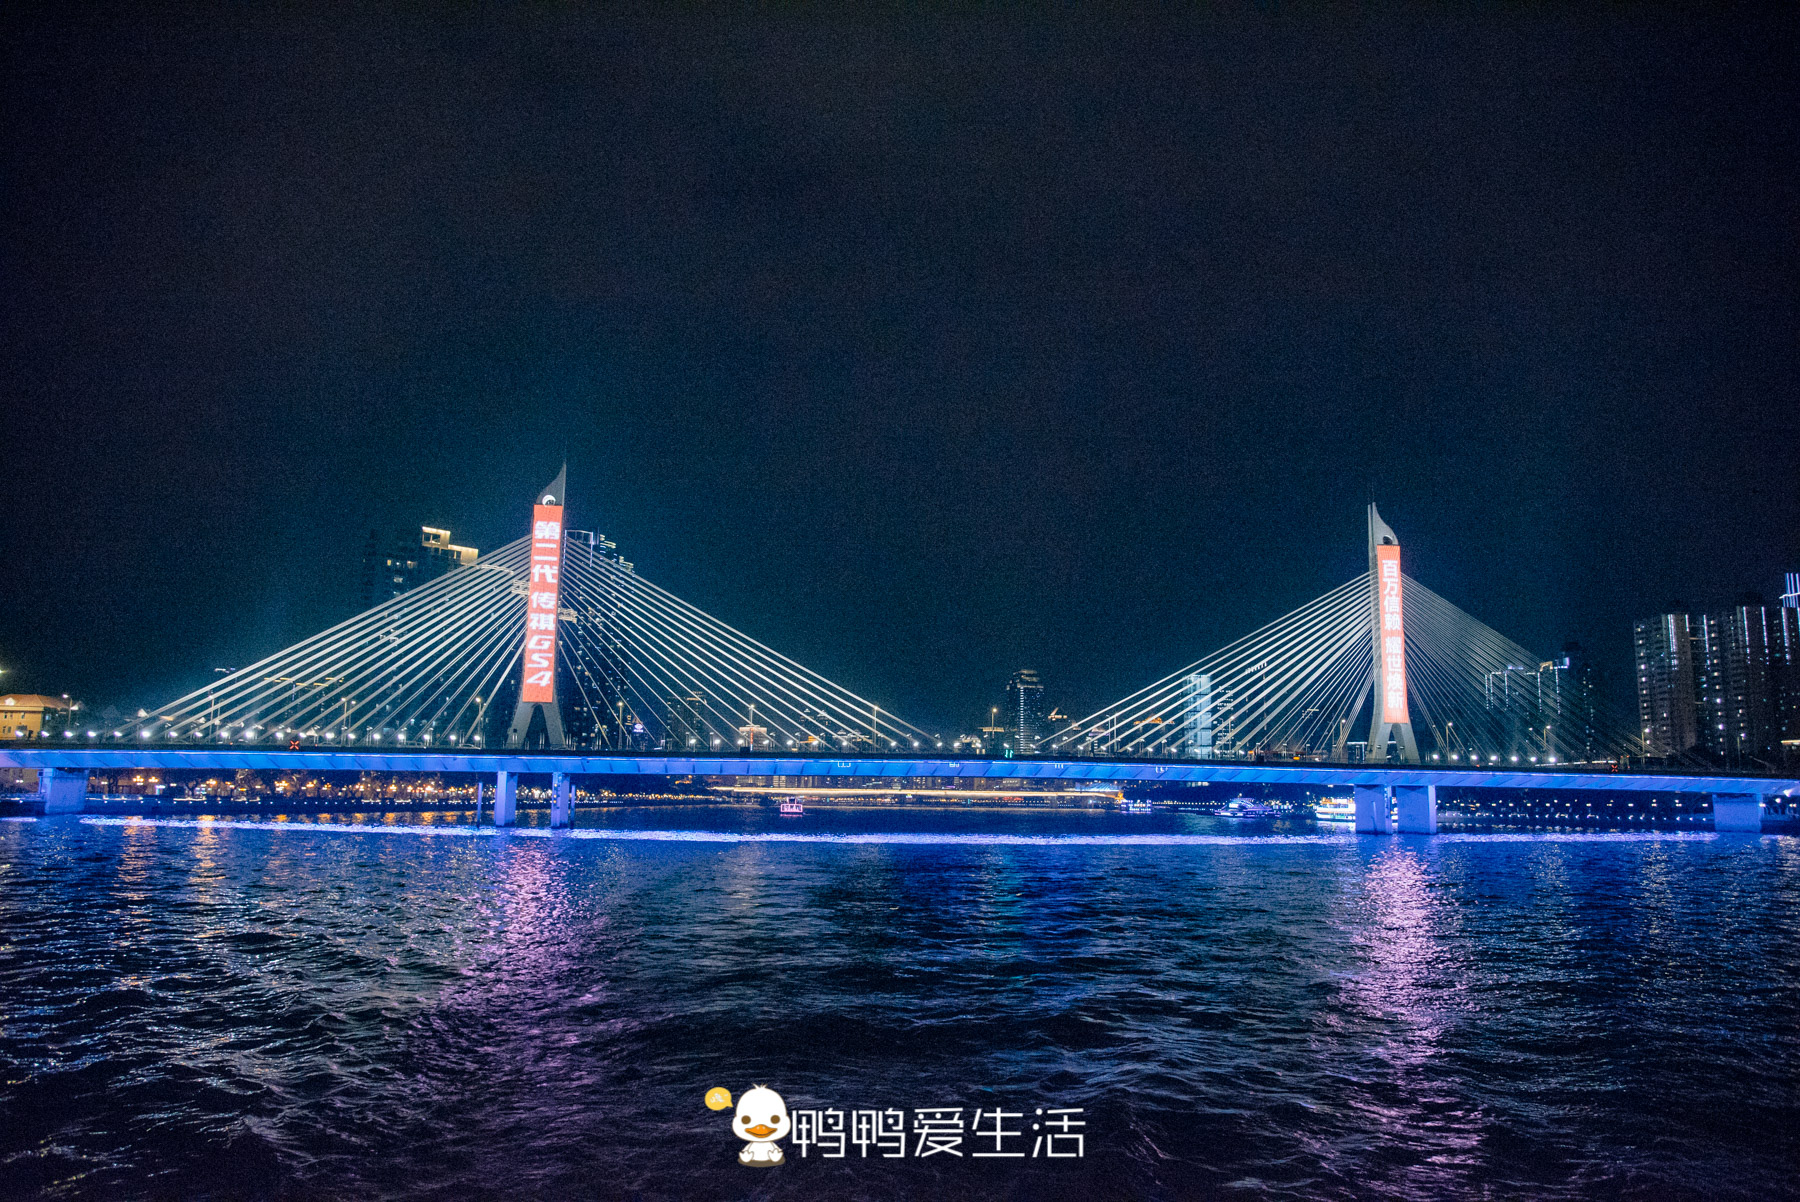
(555,646)
(1301,688)
(1340,679)
(552,641)
(440,667)
(628,666)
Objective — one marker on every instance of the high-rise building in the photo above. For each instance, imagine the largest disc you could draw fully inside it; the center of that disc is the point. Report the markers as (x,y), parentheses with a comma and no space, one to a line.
(1544,709)
(1578,707)
(1667,684)
(596,710)
(1726,685)
(1754,674)
(1025,715)
(399,562)
(1200,730)
(1510,696)
(686,726)
(1784,669)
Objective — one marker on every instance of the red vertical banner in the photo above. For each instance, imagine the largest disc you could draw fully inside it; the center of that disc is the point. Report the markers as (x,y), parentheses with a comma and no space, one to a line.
(540,615)
(1392,640)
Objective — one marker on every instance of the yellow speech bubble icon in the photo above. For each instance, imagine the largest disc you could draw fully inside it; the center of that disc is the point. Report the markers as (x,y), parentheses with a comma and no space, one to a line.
(718,1098)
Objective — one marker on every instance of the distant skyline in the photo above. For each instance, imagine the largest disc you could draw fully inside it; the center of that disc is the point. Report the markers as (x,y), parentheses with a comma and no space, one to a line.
(922,348)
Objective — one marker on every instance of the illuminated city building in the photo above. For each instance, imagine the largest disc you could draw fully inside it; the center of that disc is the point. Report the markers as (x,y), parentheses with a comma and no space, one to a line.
(400,562)
(596,710)
(1750,672)
(1026,717)
(1725,685)
(30,716)
(1202,730)
(1667,685)
(33,715)
(1541,707)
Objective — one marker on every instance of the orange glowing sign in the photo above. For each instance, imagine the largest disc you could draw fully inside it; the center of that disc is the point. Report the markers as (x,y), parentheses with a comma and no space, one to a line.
(1392,638)
(540,614)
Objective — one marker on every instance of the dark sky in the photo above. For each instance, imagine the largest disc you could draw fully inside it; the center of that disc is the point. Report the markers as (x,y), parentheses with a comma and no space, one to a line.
(921,348)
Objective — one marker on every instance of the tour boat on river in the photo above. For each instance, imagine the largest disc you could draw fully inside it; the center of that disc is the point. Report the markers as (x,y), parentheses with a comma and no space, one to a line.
(1335,809)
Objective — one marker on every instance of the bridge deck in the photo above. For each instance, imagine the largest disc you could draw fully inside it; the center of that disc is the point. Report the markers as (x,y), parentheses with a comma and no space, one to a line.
(1333,776)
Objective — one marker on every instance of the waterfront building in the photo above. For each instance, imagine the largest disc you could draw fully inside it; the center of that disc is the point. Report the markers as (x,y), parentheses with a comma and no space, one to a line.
(1784,657)
(1200,727)
(597,712)
(1577,708)
(1667,685)
(1754,665)
(1026,717)
(34,715)
(1543,709)
(686,725)
(1726,685)
(31,716)
(391,565)
(1510,694)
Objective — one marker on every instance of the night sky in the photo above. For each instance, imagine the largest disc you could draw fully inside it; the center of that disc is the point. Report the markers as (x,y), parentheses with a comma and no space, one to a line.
(920,348)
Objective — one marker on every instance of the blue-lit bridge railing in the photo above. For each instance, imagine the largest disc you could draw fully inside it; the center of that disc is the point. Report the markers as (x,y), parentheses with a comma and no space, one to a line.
(1738,801)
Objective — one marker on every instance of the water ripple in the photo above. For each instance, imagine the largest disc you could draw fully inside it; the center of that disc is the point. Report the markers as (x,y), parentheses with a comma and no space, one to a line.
(229,1009)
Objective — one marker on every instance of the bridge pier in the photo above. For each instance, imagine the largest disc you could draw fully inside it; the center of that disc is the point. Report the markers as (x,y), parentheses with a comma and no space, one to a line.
(1737,812)
(64,790)
(1418,809)
(562,800)
(506,798)
(1372,817)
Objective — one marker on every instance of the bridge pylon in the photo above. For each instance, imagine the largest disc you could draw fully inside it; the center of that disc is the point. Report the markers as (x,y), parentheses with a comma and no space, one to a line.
(538,708)
(1390,717)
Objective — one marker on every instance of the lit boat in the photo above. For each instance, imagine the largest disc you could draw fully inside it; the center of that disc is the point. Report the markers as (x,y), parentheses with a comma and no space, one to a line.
(1134,807)
(1335,809)
(793,807)
(1246,807)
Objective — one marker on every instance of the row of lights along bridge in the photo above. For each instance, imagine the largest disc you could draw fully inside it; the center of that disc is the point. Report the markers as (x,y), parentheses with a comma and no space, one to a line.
(1700,696)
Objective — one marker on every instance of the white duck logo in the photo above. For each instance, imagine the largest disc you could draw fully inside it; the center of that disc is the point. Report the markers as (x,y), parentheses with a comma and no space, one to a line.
(761,1119)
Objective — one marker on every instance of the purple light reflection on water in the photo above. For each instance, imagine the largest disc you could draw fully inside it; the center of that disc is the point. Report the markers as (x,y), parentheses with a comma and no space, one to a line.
(922,839)
(474,1013)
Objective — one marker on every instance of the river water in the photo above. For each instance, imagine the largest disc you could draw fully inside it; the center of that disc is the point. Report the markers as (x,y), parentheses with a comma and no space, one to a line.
(1202,1009)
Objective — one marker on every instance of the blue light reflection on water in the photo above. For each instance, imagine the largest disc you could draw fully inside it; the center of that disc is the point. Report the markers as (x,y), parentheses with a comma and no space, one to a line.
(228,1006)
(919,838)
